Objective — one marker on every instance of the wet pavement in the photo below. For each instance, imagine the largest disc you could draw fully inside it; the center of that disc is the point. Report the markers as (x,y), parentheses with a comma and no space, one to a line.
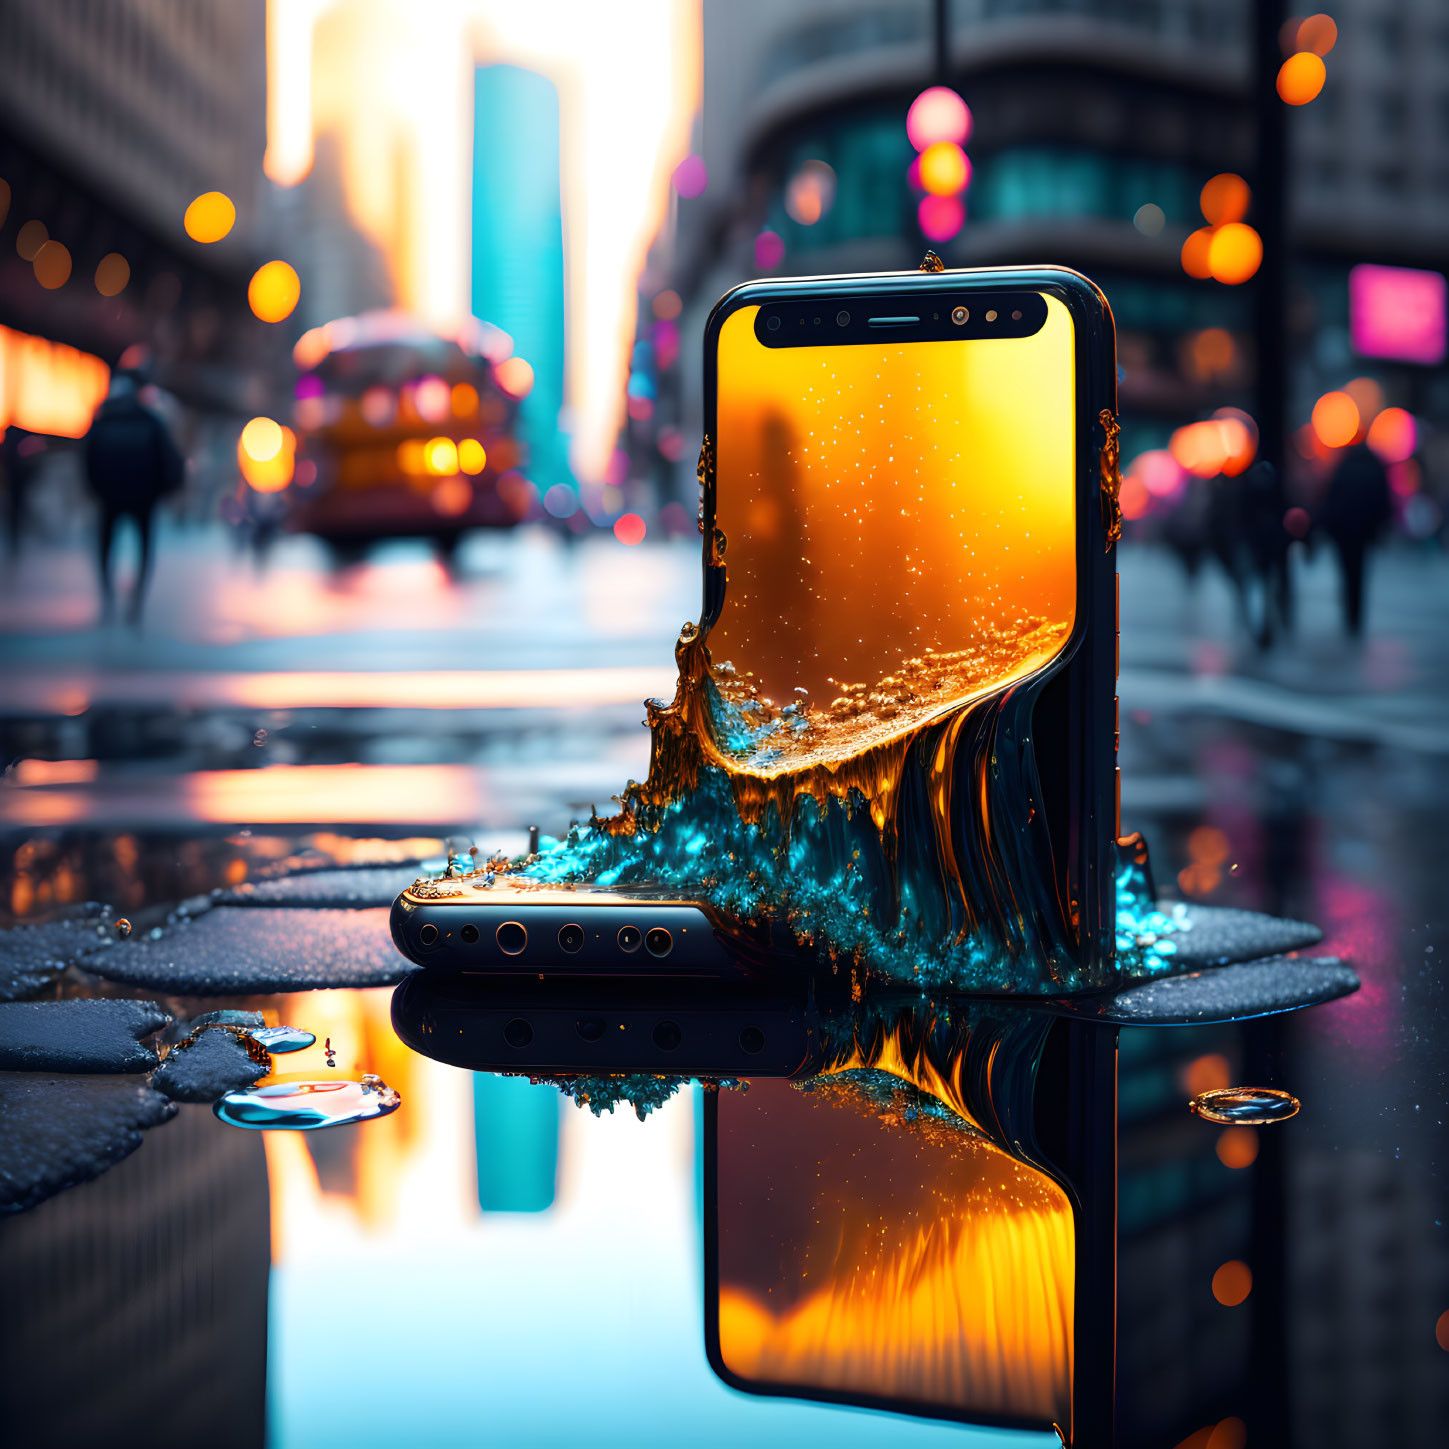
(228,742)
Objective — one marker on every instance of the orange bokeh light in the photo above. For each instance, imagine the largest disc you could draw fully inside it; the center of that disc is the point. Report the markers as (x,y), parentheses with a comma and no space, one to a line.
(210,217)
(1225,443)
(1368,396)
(274,291)
(1319,34)
(1393,435)
(113,271)
(266,452)
(1301,77)
(465,400)
(1237,1147)
(1230,1433)
(1335,419)
(452,496)
(515,376)
(441,456)
(667,306)
(472,458)
(1206,1073)
(1195,253)
(47,387)
(1235,253)
(944,169)
(1441,1331)
(1225,198)
(52,265)
(1232,1283)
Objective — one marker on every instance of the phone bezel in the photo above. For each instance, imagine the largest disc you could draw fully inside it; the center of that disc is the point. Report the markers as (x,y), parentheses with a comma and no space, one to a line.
(1089,659)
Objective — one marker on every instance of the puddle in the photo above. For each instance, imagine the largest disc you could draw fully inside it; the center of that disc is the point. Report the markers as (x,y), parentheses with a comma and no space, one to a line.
(305,1104)
(1245,1106)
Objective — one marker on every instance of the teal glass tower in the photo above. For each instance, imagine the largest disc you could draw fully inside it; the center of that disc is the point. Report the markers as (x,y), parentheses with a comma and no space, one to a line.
(517,257)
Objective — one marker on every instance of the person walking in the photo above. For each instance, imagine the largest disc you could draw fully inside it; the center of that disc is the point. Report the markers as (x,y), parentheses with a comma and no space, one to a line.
(131,463)
(21,456)
(1355,511)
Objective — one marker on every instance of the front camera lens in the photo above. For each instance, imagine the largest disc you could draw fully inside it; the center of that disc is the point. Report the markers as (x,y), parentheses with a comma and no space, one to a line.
(752,1040)
(773,323)
(667,1035)
(591,1028)
(842,319)
(960,316)
(629,938)
(571,937)
(991,316)
(428,934)
(518,1033)
(659,941)
(469,935)
(512,938)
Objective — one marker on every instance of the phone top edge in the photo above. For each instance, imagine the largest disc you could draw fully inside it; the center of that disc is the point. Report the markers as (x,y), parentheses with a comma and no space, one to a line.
(1028,276)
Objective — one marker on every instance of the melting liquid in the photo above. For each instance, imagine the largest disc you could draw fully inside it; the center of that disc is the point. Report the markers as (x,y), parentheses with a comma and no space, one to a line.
(1245,1106)
(278,1039)
(859,783)
(304,1105)
(123,927)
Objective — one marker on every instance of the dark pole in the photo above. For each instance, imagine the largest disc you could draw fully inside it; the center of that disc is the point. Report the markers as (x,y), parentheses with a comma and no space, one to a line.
(941,39)
(1270,214)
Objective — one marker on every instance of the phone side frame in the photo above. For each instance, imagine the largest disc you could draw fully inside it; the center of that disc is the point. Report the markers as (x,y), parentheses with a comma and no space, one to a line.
(1090,657)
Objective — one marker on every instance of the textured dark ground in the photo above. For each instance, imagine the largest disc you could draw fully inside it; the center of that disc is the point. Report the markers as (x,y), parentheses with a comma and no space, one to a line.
(240,951)
(78,1035)
(64,1130)
(212,1063)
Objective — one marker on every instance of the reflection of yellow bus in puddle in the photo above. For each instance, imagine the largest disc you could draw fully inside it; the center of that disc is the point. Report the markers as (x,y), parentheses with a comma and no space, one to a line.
(402,432)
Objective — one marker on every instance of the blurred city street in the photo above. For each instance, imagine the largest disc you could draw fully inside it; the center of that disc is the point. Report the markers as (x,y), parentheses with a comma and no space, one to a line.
(355,358)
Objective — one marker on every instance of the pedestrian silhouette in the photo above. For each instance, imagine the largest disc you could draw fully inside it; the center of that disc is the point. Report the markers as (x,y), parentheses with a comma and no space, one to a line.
(21,455)
(1355,510)
(131,463)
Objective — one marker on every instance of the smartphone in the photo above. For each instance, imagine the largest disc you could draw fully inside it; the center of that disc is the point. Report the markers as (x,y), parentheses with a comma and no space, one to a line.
(514,926)
(910,516)
(575,1026)
(864,1245)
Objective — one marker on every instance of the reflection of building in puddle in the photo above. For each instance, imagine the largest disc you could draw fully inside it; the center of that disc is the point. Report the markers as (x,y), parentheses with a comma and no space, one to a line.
(136,1304)
(873,1245)
(458,1142)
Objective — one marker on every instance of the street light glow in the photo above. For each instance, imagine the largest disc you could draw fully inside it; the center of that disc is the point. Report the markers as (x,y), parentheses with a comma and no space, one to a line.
(274,291)
(210,217)
(1301,77)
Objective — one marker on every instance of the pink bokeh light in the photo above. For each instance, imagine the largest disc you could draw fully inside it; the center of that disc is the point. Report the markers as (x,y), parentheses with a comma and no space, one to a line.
(1397,312)
(941,217)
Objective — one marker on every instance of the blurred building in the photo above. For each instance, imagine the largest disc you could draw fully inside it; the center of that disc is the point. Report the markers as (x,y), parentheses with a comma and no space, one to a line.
(1086,112)
(112,119)
(518,261)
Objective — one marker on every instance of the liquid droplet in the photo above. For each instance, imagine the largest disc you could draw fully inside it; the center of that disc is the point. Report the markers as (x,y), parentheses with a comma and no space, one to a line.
(303,1105)
(260,738)
(1245,1106)
(331,1052)
(123,927)
(279,1039)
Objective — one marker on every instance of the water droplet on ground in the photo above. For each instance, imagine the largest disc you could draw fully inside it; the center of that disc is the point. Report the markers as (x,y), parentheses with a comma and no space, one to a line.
(304,1104)
(123,927)
(1246,1106)
(278,1039)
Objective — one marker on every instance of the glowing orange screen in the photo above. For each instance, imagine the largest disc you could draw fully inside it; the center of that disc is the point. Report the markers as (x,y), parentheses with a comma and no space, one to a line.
(881,499)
